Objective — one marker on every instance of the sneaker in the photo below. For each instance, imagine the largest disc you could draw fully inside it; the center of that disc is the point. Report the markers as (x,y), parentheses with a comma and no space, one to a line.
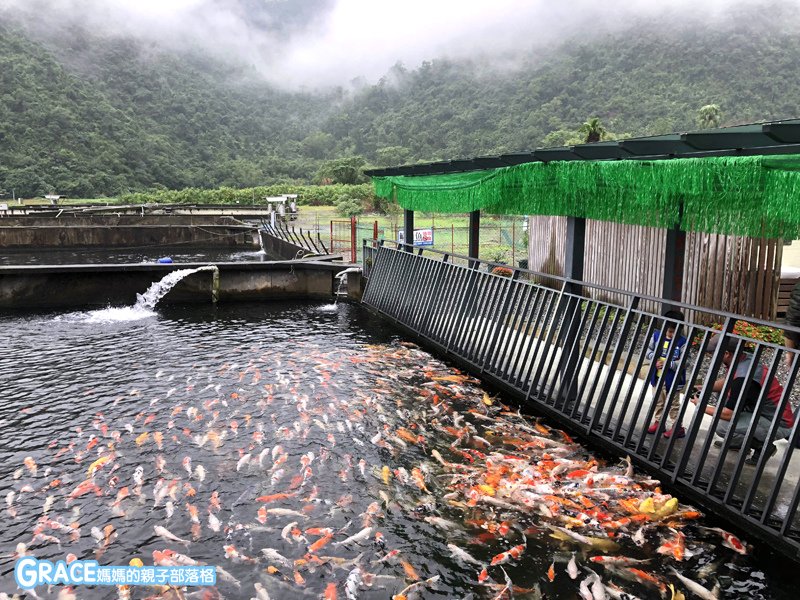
(718,444)
(753,460)
(678,433)
(653,428)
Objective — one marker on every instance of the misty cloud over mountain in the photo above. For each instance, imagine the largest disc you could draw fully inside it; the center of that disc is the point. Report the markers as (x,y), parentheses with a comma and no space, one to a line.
(319,43)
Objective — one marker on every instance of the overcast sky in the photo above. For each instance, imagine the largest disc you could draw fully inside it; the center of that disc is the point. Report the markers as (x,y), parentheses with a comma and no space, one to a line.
(346,39)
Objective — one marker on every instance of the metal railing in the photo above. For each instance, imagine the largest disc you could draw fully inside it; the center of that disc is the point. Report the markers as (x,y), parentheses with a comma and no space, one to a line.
(303,239)
(585,363)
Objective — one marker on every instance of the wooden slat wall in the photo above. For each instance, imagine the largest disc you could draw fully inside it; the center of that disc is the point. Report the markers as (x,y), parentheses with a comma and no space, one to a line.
(627,257)
(736,274)
(730,273)
(784,293)
(546,244)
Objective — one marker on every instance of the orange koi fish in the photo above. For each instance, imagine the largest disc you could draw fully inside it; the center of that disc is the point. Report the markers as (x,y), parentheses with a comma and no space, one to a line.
(320,543)
(675,546)
(274,497)
(510,554)
(85,487)
(410,572)
(30,464)
(419,478)
(96,465)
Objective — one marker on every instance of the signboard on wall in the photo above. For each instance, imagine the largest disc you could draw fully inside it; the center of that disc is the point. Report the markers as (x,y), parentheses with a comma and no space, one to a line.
(422,237)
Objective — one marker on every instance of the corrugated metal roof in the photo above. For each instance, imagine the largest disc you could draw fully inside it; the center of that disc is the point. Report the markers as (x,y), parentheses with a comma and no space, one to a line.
(775,137)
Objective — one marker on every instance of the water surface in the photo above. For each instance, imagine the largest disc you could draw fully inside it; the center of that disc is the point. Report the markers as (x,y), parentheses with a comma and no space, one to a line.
(322,410)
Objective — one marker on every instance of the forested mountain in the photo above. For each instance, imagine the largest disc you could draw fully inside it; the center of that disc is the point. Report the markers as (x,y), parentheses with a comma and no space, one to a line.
(84,114)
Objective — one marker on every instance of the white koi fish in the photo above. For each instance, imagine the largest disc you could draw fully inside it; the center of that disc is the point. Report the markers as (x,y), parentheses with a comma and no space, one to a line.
(463,555)
(697,589)
(213,522)
(358,537)
(167,535)
(243,462)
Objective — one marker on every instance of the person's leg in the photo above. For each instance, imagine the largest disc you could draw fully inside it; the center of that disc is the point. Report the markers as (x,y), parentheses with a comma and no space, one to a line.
(658,412)
(762,430)
(660,401)
(736,436)
(760,436)
(675,408)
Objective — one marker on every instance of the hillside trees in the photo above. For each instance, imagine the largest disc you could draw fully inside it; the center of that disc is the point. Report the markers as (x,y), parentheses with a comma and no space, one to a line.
(88,115)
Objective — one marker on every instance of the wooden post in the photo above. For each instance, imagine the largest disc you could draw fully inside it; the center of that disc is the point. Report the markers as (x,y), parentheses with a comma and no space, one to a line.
(569,309)
(674,258)
(408,229)
(474,234)
(574,252)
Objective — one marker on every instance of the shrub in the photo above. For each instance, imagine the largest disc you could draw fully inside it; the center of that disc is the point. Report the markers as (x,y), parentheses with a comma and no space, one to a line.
(761,333)
(502,271)
(349,207)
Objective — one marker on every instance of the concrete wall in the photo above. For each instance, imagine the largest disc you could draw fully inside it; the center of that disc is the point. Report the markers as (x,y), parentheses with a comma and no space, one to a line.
(24,287)
(115,220)
(275,246)
(67,234)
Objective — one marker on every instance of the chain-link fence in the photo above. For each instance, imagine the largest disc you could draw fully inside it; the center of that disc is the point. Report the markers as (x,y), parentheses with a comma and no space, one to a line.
(502,239)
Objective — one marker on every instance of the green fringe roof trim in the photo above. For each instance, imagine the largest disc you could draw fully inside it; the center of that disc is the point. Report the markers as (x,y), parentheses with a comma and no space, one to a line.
(757,196)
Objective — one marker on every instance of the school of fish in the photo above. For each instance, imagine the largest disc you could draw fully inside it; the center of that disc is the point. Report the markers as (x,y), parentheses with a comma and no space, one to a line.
(405,438)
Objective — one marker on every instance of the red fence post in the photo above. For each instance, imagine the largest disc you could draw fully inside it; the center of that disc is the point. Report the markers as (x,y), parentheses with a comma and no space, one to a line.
(375,231)
(333,251)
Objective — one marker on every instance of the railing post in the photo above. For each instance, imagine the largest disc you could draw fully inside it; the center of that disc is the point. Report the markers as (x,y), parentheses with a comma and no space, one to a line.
(466,301)
(627,322)
(500,324)
(700,407)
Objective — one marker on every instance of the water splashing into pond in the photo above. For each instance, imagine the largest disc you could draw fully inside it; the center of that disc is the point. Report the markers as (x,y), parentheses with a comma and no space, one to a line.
(159,289)
(145,303)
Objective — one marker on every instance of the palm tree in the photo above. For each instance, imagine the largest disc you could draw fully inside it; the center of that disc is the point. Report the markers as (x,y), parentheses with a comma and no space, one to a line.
(593,130)
(709,116)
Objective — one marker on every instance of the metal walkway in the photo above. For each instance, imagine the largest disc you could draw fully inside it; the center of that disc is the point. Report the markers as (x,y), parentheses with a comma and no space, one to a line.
(582,362)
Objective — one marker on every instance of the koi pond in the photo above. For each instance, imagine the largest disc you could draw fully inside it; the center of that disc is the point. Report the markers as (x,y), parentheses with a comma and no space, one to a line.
(150,254)
(306,451)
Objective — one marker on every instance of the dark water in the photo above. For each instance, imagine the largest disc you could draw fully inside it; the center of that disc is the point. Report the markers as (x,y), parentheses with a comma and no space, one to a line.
(81,256)
(217,383)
